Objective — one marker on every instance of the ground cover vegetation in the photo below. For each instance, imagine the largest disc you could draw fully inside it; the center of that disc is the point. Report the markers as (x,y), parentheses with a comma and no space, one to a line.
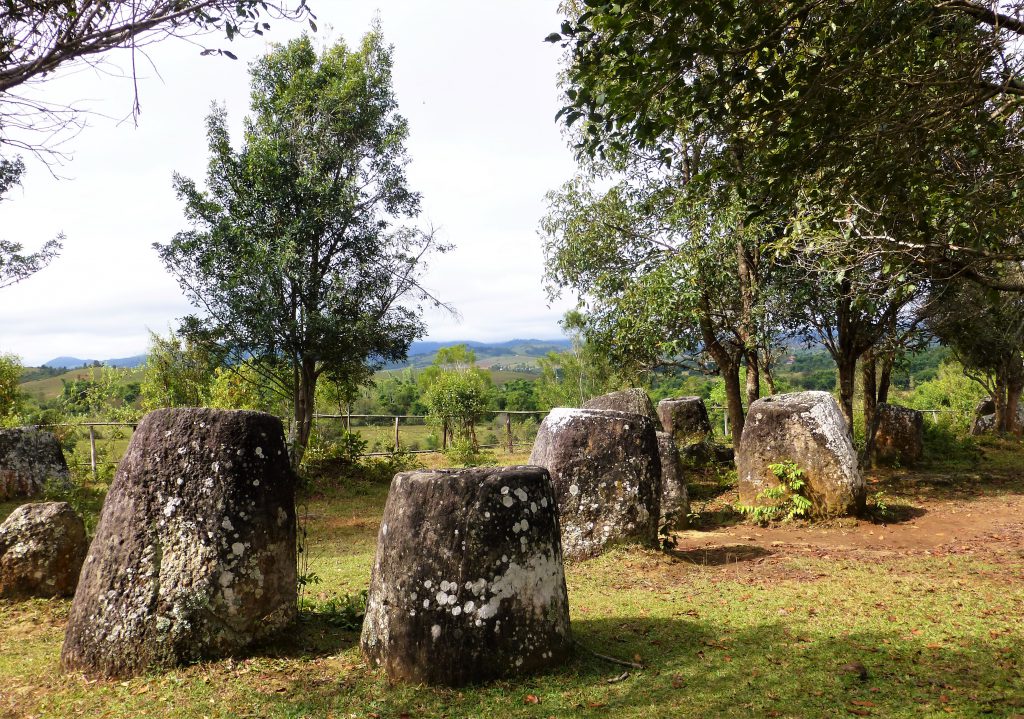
(911,615)
(770,198)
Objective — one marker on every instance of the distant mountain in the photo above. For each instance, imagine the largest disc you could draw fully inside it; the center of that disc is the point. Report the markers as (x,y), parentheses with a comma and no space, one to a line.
(509,352)
(75,362)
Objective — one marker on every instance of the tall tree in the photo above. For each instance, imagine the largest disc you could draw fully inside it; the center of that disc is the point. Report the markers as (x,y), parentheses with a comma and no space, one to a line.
(669,274)
(298,253)
(906,109)
(985,330)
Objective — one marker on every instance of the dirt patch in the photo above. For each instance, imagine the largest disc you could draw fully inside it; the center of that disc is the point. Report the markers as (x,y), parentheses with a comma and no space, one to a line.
(930,513)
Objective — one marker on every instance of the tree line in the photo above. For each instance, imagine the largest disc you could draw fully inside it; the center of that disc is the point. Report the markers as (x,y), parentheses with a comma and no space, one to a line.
(750,173)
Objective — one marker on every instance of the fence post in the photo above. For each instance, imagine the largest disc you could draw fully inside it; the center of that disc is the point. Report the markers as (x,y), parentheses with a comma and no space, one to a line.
(396,435)
(92,452)
(444,434)
(508,432)
(725,423)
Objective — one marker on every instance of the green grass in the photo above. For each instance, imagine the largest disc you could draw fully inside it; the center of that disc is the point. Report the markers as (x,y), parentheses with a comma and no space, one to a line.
(760,635)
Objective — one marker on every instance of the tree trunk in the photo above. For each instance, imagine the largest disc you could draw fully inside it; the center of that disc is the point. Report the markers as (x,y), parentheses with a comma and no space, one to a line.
(304,408)
(870,382)
(999,399)
(733,400)
(728,365)
(753,377)
(1012,403)
(847,379)
(885,379)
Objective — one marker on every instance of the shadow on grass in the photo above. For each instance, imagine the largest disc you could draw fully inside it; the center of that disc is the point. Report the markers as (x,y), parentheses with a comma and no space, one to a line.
(312,636)
(719,556)
(700,668)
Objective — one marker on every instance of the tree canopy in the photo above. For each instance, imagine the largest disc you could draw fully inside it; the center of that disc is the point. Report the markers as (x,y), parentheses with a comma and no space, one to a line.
(904,113)
(300,250)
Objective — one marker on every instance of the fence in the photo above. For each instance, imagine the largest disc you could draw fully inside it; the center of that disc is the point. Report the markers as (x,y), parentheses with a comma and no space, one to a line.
(380,431)
(375,428)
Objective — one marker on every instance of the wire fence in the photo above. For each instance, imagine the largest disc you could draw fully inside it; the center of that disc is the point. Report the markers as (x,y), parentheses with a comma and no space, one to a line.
(98,446)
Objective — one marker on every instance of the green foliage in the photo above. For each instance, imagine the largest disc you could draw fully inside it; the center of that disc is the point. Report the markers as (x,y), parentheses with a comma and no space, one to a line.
(464,452)
(10,395)
(951,390)
(250,385)
(888,111)
(984,329)
(107,394)
(300,250)
(178,372)
(457,394)
(344,612)
(784,501)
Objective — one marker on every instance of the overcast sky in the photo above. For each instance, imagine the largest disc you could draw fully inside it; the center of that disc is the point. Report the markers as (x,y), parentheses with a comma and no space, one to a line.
(477,84)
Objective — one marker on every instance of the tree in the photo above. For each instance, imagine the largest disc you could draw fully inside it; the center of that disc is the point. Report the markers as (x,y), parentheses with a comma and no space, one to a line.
(178,372)
(10,377)
(15,264)
(457,393)
(39,36)
(909,110)
(670,271)
(297,254)
(985,331)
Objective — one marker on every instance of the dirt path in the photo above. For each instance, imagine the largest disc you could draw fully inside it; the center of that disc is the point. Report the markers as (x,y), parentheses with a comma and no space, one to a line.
(941,514)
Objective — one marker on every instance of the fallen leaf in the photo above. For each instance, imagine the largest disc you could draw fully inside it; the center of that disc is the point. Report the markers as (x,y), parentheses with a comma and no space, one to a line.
(862,702)
(531,699)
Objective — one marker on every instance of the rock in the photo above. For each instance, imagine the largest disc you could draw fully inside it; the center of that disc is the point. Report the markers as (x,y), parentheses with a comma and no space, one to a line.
(194,555)
(468,583)
(607,477)
(806,428)
(686,419)
(41,551)
(631,401)
(985,406)
(900,434)
(28,458)
(985,416)
(675,500)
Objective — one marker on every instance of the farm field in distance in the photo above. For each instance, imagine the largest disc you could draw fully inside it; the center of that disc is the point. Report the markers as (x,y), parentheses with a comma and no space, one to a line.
(915,617)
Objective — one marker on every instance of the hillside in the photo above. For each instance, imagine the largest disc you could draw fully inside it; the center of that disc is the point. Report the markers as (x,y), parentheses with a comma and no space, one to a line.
(515,355)
(75,362)
(49,388)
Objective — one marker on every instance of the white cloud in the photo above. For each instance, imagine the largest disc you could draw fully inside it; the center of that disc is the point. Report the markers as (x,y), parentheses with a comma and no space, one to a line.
(475,81)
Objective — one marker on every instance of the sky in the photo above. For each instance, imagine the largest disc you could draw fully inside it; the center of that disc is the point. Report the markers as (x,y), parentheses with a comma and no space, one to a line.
(477,84)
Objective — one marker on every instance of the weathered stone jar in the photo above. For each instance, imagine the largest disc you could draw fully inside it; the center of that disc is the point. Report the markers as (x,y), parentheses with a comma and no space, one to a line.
(807,429)
(28,459)
(634,400)
(900,434)
(606,472)
(675,497)
(194,555)
(42,546)
(468,583)
(686,419)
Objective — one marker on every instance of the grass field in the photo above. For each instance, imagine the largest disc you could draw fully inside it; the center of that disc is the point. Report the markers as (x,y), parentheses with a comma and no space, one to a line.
(920,617)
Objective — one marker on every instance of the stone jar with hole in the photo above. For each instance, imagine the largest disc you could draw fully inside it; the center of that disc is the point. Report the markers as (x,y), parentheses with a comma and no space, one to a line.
(194,555)
(606,470)
(468,584)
